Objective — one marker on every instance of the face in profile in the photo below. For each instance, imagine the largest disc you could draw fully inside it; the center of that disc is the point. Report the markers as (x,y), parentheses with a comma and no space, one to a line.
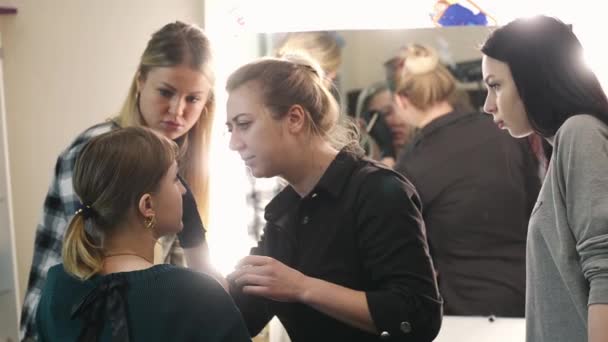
(167,203)
(503,101)
(171,99)
(400,130)
(254,134)
(383,102)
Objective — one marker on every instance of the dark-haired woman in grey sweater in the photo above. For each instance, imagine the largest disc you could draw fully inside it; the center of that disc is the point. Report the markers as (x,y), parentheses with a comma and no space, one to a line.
(537,82)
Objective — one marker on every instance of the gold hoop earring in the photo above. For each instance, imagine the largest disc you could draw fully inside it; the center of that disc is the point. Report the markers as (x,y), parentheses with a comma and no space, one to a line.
(150,222)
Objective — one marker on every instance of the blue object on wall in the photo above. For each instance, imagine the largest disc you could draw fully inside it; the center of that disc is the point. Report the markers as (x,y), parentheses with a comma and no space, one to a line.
(458,15)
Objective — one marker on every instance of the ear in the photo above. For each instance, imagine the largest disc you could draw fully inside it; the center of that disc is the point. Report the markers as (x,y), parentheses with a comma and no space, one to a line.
(296,119)
(145,205)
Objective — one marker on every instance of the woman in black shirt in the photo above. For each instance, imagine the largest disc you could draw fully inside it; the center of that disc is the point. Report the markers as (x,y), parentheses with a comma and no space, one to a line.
(477,186)
(344,254)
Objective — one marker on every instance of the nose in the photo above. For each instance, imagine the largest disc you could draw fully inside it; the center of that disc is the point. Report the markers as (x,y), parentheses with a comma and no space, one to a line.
(177,106)
(489,105)
(389,118)
(235,144)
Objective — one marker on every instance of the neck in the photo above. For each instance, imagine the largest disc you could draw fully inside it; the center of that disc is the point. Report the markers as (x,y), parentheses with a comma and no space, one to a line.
(434,112)
(310,166)
(129,248)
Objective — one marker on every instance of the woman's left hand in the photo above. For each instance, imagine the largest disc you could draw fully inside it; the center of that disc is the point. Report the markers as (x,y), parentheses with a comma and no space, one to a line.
(266,277)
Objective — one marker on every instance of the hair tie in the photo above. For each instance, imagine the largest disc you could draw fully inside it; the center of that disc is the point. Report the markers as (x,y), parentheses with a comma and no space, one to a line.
(420,60)
(85,210)
(310,68)
(303,60)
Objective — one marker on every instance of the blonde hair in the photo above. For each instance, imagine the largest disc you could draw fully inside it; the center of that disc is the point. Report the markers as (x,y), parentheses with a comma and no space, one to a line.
(292,80)
(110,175)
(176,44)
(321,46)
(423,79)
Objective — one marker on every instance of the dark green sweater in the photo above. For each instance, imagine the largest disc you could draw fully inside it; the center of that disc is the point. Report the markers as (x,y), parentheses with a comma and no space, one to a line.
(164,303)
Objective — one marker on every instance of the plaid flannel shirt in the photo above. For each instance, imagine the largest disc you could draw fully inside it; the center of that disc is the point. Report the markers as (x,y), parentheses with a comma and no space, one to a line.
(59,206)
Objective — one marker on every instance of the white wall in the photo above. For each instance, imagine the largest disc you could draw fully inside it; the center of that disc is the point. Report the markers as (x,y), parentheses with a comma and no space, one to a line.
(9,307)
(68,64)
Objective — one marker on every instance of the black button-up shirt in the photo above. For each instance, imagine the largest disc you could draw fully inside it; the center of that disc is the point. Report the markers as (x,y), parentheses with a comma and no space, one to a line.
(360,228)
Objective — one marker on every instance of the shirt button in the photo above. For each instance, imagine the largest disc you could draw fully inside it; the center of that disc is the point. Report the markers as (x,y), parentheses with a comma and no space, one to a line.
(314,195)
(385,335)
(406,327)
(305,219)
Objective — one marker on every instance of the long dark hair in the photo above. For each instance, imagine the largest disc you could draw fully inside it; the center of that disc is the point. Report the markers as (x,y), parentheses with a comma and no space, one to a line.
(546,61)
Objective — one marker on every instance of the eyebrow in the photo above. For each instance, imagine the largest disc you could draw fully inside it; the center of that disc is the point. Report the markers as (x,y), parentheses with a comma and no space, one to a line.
(167,85)
(236,117)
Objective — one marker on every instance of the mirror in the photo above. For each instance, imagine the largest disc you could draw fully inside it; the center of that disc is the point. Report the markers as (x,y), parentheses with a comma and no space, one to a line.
(365,51)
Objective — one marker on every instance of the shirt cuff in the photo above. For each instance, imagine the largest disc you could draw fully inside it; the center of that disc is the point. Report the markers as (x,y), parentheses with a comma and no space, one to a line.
(398,319)
(598,291)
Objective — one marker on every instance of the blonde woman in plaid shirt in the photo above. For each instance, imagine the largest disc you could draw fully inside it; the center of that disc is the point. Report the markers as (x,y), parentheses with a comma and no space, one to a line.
(172,93)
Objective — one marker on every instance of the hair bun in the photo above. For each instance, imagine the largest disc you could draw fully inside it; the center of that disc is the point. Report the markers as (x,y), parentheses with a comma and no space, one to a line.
(420,59)
(303,59)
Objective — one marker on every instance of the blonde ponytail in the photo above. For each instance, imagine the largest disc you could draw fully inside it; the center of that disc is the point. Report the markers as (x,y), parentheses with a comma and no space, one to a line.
(81,257)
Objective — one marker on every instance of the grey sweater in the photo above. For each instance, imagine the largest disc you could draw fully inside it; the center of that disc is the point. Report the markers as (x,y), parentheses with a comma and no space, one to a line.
(567,252)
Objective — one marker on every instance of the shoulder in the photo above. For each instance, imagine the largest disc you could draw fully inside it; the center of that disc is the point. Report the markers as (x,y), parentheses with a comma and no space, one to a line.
(581,133)
(379,181)
(375,174)
(88,134)
(582,126)
(58,273)
(55,272)
(58,278)
(200,292)
(186,282)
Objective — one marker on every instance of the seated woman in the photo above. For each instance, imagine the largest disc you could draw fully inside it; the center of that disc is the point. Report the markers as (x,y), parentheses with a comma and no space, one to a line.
(344,254)
(107,288)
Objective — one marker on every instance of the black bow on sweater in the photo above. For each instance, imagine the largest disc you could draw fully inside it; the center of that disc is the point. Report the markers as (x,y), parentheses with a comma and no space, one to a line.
(106,300)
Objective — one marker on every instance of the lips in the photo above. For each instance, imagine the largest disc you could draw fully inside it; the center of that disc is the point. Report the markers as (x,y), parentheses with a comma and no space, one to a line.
(172,124)
(499,123)
(247,160)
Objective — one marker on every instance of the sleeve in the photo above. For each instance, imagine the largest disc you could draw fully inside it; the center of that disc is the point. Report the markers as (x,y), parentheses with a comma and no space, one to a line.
(255,310)
(193,234)
(405,301)
(59,206)
(581,162)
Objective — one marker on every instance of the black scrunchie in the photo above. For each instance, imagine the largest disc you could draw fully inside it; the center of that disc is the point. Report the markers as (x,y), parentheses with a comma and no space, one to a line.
(107,299)
(86,210)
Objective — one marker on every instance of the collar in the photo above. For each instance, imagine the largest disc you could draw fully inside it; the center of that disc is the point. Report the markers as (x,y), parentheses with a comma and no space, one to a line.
(333,182)
(440,122)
